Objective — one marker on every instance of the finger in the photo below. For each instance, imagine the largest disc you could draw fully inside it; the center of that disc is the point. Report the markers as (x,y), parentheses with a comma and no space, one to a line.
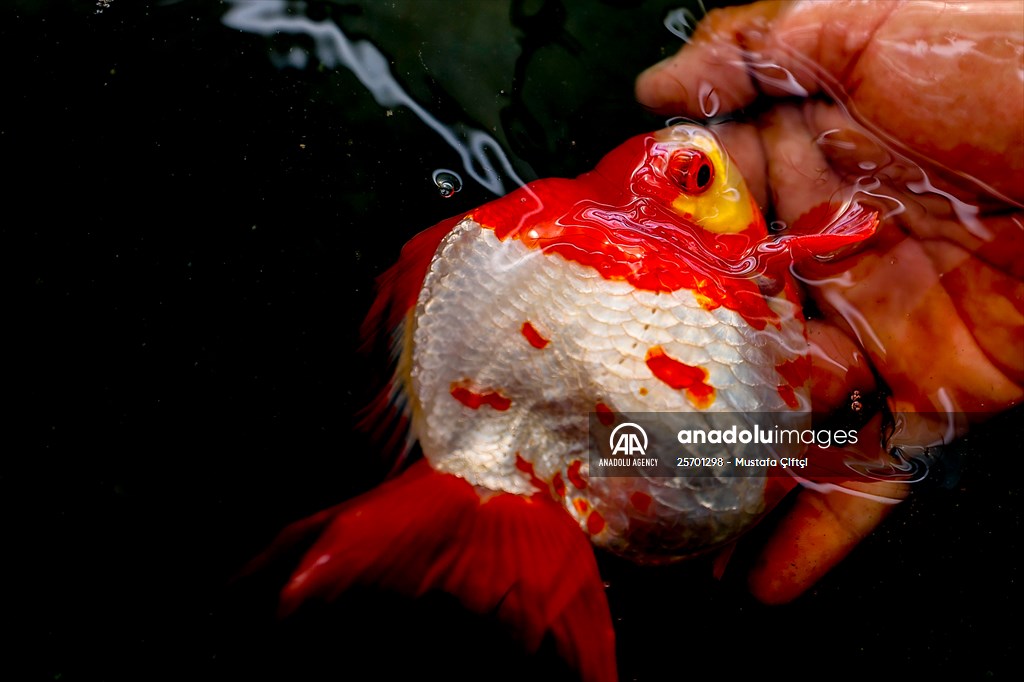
(910,85)
(804,186)
(933,347)
(989,303)
(816,534)
(992,235)
(838,367)
(681,84)
(775,48)
(835,511)
(743,142)
(904,292)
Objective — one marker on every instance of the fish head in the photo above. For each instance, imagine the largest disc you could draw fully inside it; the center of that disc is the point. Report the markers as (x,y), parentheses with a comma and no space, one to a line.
(686,169)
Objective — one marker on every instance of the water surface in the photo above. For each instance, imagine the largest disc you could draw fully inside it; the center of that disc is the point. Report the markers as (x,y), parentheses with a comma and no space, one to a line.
(203,210)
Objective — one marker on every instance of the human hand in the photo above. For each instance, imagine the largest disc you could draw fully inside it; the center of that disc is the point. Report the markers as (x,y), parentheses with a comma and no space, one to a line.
(916,109)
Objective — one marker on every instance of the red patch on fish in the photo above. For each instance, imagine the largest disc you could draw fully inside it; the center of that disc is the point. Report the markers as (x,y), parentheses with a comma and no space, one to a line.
(594,243)
(527,468)
(595,523)
(789,395)
(795,372)
(632,234)
(558,484)
(533,336)
(604,414)
(474,400)
(574,475)
(681,376)
(641,500)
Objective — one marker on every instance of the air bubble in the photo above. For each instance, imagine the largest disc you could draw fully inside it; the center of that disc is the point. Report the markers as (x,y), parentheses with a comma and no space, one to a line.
(709,102)
(448,182)
(775,76)
(827,138)
(680,23)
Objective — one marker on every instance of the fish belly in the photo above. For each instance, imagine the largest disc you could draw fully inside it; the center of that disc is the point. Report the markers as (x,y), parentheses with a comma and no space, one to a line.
(513,349)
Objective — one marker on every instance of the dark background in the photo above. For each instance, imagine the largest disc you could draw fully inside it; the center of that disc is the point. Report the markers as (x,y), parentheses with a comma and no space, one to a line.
(194,232)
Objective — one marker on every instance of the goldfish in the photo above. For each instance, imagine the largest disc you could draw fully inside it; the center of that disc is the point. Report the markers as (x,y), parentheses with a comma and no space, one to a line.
(650,284)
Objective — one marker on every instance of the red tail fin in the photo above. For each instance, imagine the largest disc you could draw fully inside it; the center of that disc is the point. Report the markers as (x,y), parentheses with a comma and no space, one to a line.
(522,559)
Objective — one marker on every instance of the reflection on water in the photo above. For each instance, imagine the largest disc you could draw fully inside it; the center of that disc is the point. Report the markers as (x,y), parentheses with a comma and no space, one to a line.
(890,182)
(482,157)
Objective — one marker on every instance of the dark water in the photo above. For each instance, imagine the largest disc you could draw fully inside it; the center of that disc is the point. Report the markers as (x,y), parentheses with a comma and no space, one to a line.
(201,227)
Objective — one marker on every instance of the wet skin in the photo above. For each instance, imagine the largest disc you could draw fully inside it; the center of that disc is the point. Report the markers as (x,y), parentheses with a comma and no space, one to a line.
(922,104)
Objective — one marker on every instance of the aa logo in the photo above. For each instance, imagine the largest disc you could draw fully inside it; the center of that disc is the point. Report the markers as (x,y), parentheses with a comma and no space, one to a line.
(628,439)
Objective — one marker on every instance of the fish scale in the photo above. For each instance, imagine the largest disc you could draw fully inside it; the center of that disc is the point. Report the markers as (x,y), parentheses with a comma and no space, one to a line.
(478,294)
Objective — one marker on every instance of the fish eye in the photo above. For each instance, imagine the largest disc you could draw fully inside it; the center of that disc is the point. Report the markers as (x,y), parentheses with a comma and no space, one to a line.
(691,170)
